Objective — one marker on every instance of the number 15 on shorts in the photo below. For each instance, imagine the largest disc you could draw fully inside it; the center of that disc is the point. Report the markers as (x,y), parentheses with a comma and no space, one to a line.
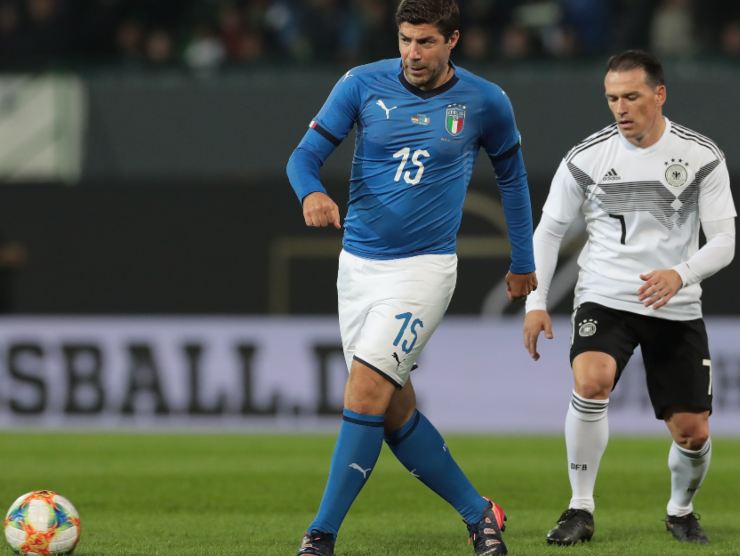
(408,329)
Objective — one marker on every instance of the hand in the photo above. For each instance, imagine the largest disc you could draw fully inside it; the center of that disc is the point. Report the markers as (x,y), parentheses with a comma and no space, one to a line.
(520,285)
(534,323)
(659,287)
(319,211)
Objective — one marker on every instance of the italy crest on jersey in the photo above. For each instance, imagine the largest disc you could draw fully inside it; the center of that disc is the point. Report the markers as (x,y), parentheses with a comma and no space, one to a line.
(454,119)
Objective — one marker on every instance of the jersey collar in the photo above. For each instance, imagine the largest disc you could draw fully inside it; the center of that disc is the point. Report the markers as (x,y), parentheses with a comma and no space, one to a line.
(652,148)
(433,92)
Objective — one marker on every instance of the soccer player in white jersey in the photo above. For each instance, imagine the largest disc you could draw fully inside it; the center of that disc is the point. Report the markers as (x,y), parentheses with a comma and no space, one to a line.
(420,123)
(644,185)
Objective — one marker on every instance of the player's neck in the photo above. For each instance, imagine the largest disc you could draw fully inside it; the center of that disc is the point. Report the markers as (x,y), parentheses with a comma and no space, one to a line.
(652,136)
(444,77)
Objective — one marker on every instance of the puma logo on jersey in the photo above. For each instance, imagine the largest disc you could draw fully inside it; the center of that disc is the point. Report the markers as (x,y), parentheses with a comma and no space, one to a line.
(387,110)
(611,175)
(359,468)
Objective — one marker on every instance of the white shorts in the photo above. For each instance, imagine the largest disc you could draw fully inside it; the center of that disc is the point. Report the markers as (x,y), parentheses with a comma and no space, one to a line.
(388,309)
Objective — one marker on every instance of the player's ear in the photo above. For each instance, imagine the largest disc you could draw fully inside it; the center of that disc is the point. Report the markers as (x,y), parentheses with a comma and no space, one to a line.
(454,37)
(661,93)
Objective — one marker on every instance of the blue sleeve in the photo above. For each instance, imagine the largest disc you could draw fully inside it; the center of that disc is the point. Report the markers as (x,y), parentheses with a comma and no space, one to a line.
(501,139)
(326,131)
(305,162)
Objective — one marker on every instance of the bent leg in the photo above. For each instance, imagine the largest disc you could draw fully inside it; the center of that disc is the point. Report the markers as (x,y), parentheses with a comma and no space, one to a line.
(401,408)
(586,424)
(688,458)
(586,436)
(421,449)
(367,396)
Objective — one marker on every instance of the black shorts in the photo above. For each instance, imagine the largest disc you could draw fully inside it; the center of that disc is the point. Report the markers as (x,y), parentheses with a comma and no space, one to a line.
(675,353)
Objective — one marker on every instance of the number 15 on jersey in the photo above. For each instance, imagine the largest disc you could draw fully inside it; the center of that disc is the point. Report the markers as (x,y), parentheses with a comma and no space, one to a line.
(403,154)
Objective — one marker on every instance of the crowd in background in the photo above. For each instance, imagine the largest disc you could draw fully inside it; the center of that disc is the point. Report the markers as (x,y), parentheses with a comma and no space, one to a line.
(205,34)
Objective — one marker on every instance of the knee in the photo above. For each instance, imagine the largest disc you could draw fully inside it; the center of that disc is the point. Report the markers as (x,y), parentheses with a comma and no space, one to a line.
(594,375)
(592,386)
(395,419)
(692,439)
(394,422)
(366,399)
(366,402)
(399,411)
(592,390)
(367,392)
(691,434)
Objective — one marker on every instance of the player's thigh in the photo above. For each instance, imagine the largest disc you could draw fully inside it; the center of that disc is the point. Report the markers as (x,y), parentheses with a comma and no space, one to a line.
(602,343)
(412,297)
(356,294)
(677,365)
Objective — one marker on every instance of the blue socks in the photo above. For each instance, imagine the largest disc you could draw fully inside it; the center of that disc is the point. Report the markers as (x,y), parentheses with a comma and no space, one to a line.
(417,445)
(422,450)
(355,454)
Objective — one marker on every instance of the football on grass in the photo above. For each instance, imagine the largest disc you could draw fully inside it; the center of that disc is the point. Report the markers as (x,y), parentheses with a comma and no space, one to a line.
(42,523)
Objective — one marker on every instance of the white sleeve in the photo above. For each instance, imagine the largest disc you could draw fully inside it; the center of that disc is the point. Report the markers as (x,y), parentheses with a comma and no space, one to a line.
(715,195)
(562,206)
(715,254)
(547,238)
(565,197)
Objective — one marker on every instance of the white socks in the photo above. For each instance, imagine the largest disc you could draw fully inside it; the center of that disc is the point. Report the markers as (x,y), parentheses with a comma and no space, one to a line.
(586,436)
(688,469)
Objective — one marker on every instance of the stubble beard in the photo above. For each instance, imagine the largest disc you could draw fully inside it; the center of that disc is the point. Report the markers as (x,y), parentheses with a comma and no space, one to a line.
(426,83)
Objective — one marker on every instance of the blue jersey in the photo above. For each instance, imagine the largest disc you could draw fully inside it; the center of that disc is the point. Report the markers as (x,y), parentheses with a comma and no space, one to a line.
(413,159)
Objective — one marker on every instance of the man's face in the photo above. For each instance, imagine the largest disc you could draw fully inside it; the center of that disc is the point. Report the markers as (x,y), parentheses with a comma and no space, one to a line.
(425,54)
(636,105)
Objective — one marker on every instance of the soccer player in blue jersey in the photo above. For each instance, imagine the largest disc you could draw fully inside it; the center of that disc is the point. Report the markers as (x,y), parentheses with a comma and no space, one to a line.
(420,123)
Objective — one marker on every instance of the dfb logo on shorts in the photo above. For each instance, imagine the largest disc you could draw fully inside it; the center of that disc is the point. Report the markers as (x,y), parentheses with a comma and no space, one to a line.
(587,327)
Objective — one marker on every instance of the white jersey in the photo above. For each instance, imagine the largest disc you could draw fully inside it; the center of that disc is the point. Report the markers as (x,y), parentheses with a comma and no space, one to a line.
(642,208)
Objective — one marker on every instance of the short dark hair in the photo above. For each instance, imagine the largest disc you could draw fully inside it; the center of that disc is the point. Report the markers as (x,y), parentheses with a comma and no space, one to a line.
(638,59)
(443,14)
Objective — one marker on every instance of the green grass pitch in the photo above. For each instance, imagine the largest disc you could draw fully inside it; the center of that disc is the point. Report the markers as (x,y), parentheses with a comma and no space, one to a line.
(229,494)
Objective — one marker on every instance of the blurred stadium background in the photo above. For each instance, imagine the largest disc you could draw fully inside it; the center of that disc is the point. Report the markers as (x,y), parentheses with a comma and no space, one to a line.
(154,266)
(156,275)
